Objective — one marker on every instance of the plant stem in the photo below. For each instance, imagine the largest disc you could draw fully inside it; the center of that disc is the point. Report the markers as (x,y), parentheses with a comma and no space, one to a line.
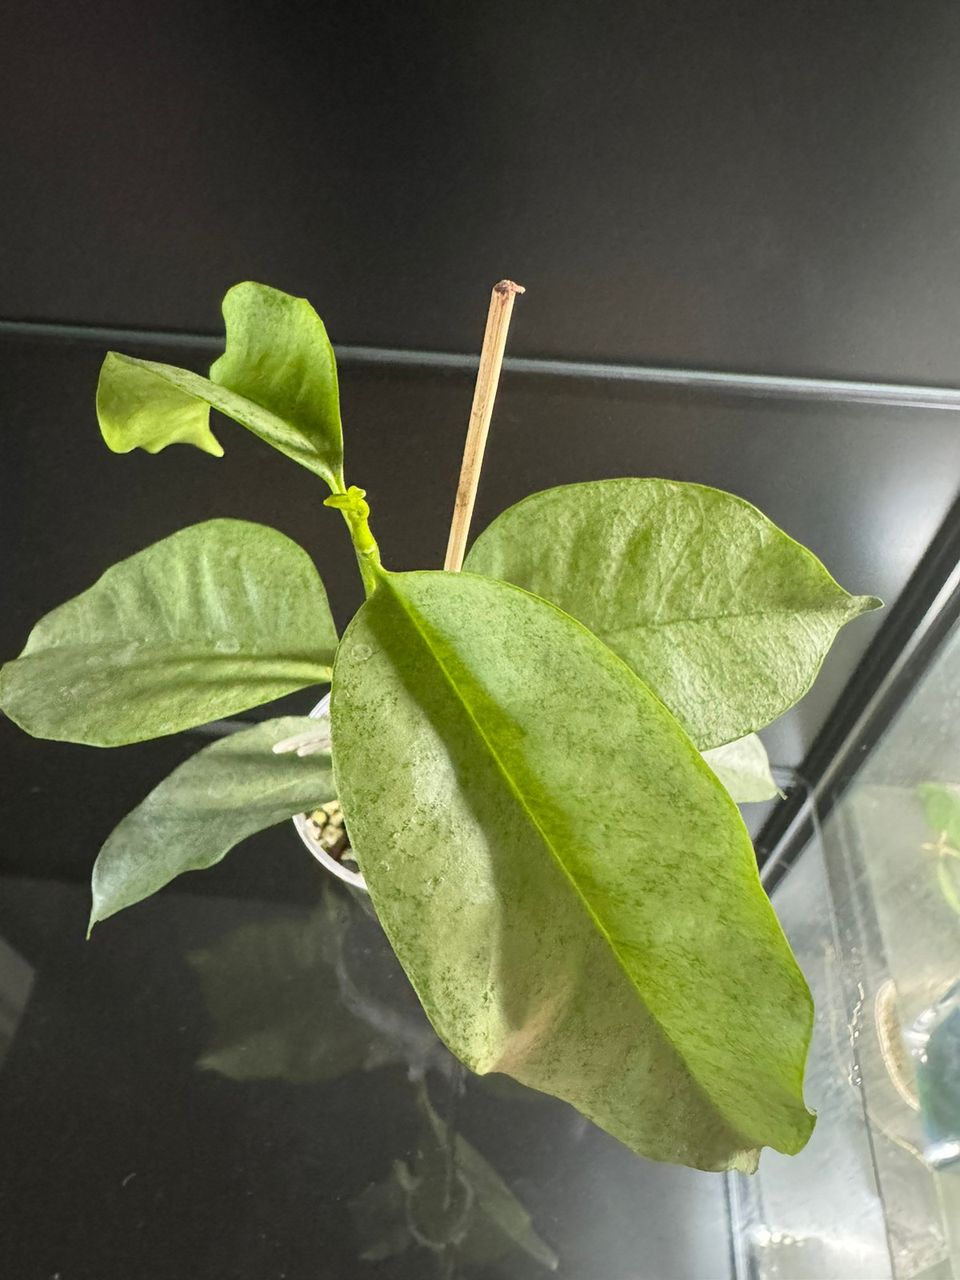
(488,377)
(355,510)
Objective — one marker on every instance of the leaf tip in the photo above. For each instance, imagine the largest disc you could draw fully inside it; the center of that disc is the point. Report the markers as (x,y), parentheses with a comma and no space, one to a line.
(867,604)
(99,910)
(746,1161)
(210,444)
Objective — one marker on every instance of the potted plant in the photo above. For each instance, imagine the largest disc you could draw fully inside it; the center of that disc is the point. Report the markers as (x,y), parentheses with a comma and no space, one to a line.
(518,748)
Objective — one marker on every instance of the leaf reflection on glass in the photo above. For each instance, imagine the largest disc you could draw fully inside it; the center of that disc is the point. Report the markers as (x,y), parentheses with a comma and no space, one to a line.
(310,998)
(941,805)
(449,1199)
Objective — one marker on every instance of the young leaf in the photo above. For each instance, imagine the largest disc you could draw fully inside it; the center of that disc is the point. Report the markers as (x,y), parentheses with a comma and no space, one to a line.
(744,769)
(277,377)
(215,619)
(226,792)
(720,612)
(569,888)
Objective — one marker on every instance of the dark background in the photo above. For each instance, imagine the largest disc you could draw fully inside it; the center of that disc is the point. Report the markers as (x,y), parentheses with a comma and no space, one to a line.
(746,185)
(753,187)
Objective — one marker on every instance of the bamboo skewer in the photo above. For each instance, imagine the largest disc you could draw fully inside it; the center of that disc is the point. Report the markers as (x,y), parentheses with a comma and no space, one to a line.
(485,393)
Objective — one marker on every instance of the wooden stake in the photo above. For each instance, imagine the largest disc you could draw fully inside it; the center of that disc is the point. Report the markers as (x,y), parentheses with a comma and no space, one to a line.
(488,377)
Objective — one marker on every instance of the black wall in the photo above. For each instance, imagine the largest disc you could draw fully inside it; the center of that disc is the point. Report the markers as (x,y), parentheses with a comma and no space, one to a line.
(765,187)
(748,186)
(745,185)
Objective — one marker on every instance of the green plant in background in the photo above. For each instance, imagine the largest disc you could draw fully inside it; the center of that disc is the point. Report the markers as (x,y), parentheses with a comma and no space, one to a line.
(516,748)
(941,806)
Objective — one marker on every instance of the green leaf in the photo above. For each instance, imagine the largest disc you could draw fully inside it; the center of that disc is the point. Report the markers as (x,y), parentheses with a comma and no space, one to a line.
(942,808)
(722,614)
(744,769)
(277,377)
(235,787)
(215,619)
(569,888)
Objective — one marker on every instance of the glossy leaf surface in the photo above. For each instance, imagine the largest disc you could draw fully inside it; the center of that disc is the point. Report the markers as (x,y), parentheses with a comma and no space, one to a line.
(569,888)
(277,377)
(215,619)
(720,612)
(235,787)
(744,769)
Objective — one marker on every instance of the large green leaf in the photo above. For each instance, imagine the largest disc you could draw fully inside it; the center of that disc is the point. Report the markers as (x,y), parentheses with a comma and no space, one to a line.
(217,618)
(568,886)
(277,377)
(237,786)
(744,769)
(720,612)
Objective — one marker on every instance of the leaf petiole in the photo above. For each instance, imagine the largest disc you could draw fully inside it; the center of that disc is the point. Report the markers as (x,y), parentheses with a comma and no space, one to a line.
(355,509)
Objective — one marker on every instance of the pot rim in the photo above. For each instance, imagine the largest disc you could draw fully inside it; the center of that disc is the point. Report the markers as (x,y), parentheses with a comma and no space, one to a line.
(301,822)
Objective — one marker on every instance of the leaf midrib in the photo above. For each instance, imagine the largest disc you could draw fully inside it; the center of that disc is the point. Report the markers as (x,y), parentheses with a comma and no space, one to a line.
(239,406)
(173,652)
(176,657)
(517,793)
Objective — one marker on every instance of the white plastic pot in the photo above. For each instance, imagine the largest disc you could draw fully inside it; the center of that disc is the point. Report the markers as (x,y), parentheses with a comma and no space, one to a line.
(322,712)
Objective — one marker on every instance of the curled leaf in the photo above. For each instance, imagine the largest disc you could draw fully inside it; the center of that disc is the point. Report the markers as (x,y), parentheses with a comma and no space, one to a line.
(277,377)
